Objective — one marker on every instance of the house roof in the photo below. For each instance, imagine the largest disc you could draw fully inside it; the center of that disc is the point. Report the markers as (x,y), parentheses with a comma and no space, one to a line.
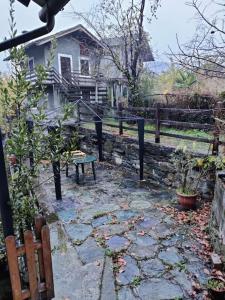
(78,31)
(82,34)
(146,52)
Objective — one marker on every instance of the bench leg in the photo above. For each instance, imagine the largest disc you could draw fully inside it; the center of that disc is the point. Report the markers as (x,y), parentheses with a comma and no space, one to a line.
(93,170)
(77,174)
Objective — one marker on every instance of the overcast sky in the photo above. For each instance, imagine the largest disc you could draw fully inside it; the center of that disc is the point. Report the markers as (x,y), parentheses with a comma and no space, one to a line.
(173,17)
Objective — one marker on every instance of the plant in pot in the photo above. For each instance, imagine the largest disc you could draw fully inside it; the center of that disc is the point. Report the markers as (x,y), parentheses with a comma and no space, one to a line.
(184,164)
(190,171)
(216,288)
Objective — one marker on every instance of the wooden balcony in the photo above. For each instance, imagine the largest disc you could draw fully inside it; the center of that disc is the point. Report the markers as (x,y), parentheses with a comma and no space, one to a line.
(76,78)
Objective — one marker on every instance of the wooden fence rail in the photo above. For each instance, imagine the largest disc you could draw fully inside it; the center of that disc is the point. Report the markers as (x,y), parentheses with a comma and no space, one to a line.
(159,119)
(36,251)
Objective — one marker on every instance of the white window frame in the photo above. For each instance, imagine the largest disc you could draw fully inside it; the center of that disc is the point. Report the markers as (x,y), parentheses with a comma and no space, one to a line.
(59,61)
(89,65)
(29,59)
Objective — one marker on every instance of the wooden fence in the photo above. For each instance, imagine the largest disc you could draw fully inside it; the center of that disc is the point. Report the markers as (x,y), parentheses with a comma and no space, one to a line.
(36,252)
(159,122)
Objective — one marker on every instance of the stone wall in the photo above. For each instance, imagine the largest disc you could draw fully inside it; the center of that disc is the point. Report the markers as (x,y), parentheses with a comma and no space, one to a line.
(124,151)
(217,223)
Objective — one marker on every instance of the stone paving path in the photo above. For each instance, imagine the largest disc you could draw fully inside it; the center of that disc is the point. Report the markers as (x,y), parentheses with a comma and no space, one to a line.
(110,241)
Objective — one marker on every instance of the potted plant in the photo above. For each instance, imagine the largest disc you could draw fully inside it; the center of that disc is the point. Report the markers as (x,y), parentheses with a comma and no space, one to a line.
(190,171)
(216,288)
(184,163)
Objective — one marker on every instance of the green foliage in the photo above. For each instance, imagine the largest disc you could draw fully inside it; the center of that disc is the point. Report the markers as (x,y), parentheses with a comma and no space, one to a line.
(136,281)
(99,214)
(185,162)
(184,79)
(222,95)
(166,80)
(147,85)
(174,79)
(111,253)
(22,101)
(216,284)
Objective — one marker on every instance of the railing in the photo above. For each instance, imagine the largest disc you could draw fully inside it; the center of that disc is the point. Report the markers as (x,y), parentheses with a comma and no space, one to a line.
(75,78)
(159,122)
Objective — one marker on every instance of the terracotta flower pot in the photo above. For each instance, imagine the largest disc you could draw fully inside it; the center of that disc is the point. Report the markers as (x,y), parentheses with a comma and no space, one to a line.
(216,294)
(187,201)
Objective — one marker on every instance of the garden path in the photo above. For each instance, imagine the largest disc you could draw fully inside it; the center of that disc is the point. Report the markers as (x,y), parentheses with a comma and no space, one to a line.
(111,240)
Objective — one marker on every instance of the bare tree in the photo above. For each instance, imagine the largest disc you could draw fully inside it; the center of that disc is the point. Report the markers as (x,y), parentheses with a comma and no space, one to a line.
(119,25)
(205,53)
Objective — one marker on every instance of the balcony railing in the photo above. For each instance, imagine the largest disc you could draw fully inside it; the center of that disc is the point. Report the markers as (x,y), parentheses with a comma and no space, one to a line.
(74,78)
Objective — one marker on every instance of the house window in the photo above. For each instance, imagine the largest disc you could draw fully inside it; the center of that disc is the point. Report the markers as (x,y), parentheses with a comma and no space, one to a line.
(84,66)
(84,50)
(31,64)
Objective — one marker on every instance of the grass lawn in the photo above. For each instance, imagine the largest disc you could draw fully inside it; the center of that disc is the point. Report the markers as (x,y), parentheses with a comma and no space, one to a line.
(170,141)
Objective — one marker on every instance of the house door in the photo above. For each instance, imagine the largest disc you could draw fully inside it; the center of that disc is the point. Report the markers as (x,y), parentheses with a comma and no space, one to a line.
(66,67)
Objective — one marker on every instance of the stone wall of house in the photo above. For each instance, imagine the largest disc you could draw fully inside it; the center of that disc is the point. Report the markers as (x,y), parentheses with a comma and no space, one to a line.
(217,222)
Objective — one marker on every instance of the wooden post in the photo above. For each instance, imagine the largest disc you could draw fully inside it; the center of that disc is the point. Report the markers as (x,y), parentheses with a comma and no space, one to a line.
(216,132)
(120,116)
(141,132)
(98,128)
(5,207)
(157,124)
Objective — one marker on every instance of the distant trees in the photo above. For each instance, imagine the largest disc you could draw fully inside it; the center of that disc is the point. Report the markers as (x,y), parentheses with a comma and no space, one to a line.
(119,25)
(205,53)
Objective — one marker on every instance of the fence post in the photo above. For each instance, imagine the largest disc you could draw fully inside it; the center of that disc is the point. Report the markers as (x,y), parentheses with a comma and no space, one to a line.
(120,116)
(216,132)
(141,133)
(98,128)
(5,207)
(157,124)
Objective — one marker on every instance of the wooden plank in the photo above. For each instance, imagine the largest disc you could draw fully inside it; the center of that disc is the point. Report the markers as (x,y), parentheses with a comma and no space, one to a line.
(187,125)
(21,249)
(13,267)
(39,223)
(31,264)
(179,136)
(46,248)
(186,137)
